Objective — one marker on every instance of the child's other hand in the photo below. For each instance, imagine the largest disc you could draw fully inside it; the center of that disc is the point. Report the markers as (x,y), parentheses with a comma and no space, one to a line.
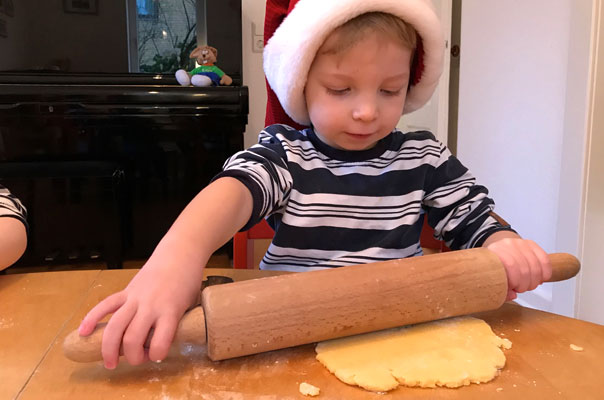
(526,264)
(157,297)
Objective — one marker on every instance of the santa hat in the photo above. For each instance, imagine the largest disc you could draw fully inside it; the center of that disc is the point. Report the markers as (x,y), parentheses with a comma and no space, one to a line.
(291,50)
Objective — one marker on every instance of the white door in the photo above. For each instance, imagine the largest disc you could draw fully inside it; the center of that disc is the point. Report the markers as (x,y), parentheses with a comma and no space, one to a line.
(434,115)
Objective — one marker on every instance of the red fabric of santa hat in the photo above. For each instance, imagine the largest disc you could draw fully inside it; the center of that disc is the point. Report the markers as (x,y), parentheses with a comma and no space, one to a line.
(275,13)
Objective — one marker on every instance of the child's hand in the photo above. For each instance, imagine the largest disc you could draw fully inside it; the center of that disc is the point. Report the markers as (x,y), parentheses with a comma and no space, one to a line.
(526,264)
(170,282)
(157,297)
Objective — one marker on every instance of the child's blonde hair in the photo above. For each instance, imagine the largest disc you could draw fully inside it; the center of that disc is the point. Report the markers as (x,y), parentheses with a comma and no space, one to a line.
(349,33)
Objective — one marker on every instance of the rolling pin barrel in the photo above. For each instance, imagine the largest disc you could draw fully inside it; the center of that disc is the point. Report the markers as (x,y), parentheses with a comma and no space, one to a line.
(273,313)
(283,311)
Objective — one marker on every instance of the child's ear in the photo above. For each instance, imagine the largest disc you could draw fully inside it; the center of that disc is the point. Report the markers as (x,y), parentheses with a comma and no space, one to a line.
(195,53)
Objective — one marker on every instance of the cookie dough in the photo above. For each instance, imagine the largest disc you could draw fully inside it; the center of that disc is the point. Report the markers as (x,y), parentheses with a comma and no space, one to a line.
(309,390)
(452,353)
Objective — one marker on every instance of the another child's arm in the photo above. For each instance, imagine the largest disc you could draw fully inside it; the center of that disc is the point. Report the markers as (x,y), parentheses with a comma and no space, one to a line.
(169,282)
(13,228)
(526,264)
(13,241)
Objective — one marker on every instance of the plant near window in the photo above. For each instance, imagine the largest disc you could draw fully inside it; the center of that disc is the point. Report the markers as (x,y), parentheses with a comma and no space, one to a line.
(153,32)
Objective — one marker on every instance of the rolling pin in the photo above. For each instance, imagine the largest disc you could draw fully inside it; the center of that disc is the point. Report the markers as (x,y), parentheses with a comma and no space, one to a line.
(254,316)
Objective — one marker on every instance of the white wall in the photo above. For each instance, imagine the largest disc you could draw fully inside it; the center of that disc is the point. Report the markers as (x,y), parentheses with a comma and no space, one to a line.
(253,75)
(512,90)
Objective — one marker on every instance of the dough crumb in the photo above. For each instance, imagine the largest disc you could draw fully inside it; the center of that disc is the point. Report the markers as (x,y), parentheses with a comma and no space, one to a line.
(575,347)
(499,389)
(309,390)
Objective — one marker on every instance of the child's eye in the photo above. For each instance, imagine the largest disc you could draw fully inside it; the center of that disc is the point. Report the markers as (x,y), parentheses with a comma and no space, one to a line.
(338,92)
(391,92)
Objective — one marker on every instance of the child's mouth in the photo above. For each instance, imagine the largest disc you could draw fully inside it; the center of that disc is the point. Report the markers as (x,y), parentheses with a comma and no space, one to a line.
(359,135)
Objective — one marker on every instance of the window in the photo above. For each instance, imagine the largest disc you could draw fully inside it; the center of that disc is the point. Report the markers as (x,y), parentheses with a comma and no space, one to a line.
(162,36)
(146,8)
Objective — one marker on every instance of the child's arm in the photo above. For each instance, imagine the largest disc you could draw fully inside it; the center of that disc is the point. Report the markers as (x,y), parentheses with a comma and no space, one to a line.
(169,282)
(13,241)
(526,264)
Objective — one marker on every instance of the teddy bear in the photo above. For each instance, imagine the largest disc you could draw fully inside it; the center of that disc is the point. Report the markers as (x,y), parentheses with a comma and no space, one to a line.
(207,74)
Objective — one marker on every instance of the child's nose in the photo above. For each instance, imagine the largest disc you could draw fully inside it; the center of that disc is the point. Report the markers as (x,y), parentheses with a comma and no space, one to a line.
(365,110)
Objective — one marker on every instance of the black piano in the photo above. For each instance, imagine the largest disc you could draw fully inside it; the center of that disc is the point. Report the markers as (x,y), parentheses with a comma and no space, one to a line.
(105,160)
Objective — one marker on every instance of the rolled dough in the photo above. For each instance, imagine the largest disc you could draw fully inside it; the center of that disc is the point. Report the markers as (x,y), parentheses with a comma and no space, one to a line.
(452,353)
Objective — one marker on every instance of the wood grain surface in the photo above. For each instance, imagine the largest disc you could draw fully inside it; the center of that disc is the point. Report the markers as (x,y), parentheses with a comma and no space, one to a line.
(33,310)
(541,363)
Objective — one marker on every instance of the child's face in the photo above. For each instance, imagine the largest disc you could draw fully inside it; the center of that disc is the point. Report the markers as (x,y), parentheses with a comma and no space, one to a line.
(356,97)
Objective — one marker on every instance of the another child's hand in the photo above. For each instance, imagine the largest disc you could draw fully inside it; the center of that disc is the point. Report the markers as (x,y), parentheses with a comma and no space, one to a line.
(526,264)
(157,297)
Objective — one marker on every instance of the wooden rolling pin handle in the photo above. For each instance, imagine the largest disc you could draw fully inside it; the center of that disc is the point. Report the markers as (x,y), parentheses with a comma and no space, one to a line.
(564,266)
(191,329)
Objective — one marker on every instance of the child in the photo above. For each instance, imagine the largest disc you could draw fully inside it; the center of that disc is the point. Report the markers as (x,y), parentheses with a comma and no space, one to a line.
(13,228)
(349,190)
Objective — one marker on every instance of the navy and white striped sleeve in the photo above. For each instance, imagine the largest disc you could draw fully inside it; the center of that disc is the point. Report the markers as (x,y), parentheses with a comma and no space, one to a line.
(459,210)
(11,207)
(263,169)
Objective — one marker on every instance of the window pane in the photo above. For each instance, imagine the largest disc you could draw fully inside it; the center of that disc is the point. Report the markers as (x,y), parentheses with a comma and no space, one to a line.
(165,35)
(146,8)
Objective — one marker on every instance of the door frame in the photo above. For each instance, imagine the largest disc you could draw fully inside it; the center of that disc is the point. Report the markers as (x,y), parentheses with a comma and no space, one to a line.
(590,281)
(579,129)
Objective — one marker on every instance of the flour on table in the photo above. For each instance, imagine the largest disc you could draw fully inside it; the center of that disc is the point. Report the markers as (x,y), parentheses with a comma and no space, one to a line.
(452,353)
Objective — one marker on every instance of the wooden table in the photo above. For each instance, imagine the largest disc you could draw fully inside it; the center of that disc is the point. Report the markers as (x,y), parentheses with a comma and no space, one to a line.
(38,310)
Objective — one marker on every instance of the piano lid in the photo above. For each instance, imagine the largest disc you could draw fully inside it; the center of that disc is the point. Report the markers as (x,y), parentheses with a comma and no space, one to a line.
(114,94)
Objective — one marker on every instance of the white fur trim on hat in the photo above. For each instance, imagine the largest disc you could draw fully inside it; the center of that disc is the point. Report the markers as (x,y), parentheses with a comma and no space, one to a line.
(291,50)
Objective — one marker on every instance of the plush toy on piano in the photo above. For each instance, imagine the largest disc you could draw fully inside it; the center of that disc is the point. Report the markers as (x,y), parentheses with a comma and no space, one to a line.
(207,74)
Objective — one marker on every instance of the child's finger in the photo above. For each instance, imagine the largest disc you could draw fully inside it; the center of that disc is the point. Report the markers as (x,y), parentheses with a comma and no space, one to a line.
(518,272)
(98,312)
(544,261)
(135,336)
(112,336)
(507,260)
(534,278)
(165,329)
(511,295)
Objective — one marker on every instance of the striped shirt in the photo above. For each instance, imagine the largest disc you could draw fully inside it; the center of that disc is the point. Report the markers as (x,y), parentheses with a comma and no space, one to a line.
(332,208)
(10,206)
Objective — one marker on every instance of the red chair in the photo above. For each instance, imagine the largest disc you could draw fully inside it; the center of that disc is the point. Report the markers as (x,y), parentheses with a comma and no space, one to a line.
(243,243)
